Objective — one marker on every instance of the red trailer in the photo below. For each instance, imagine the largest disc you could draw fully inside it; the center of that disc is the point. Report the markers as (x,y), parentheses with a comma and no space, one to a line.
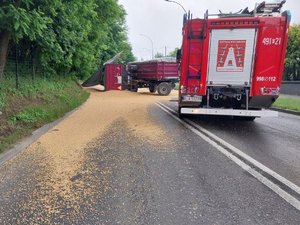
(110,77)
(158,75)
(232,64)
(113,77)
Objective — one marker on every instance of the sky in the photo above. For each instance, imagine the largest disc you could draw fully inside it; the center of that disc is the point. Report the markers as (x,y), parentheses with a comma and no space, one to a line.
(161,21)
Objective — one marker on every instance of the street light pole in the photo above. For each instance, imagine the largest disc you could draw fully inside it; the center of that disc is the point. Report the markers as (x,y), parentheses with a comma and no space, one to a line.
(150,41)
(177,4)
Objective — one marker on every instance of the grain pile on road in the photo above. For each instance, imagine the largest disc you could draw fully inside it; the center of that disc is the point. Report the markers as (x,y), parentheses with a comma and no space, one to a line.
(61,186)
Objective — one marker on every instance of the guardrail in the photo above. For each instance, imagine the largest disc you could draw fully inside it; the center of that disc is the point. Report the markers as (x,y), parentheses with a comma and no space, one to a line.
(292,73)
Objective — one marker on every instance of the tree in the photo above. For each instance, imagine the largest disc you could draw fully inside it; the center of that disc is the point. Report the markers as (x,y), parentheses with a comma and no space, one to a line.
(173,53)
(18,20)
(293,49)
(63,36)
(158,55)
(116,39)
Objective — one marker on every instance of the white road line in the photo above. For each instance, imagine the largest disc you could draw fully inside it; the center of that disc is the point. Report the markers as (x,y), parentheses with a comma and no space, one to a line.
(208,137)
(243,155)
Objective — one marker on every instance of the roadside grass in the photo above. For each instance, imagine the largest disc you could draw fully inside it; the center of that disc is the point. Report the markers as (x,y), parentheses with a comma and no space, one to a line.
(33,105)
(288,103)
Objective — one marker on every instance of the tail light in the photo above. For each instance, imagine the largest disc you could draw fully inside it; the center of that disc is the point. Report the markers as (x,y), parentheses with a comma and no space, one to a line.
(189,89)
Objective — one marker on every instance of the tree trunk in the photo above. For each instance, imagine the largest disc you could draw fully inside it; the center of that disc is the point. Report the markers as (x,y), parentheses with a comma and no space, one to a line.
(4,41)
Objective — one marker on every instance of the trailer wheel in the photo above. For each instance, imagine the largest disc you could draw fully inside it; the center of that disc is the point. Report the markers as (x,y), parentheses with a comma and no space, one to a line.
(134,88)
(164,88)
(152,88)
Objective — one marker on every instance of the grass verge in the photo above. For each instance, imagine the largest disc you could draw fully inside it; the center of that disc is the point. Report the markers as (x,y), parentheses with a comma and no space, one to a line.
(33,105)
(288,103)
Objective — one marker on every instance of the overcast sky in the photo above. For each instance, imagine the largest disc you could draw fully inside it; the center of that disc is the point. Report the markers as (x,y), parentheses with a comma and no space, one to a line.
(162,21)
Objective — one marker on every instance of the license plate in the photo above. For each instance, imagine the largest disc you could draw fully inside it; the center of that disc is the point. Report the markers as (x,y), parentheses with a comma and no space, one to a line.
(192,98)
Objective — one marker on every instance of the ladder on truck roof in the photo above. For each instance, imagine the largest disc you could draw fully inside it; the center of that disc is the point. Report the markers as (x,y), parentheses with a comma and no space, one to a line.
(268,8)
(264,8)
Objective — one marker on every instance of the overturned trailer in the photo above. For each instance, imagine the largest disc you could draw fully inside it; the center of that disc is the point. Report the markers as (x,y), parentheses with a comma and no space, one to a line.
(158,75)
(110,76)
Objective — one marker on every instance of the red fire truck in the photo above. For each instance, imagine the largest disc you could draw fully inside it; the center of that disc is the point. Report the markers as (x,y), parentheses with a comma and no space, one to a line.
(232,64)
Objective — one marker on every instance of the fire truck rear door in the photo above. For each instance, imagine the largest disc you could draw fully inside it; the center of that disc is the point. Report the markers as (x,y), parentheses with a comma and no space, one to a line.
(231,57)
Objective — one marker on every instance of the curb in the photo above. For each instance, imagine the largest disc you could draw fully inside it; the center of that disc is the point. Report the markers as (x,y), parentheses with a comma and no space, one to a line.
(286,111)
(24,143)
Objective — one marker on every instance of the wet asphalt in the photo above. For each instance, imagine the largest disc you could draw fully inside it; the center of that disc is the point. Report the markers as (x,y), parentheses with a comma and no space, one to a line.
(274,142)
(180,179)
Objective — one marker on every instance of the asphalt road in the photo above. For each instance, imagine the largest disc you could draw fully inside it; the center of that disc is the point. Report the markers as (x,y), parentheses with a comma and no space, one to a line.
(120,159)
(275,142)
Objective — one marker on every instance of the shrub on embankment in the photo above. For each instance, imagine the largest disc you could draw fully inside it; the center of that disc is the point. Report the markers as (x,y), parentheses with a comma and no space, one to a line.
(34,104)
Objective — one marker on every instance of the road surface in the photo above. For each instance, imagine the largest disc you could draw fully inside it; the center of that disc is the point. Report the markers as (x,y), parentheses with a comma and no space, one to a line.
(123,159)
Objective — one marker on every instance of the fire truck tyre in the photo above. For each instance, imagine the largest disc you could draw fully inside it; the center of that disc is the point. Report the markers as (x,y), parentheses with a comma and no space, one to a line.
(164,89)
(248,118)
(152,88)
(180,115)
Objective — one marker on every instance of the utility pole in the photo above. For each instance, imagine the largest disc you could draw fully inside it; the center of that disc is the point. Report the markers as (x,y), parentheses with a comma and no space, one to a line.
(151,43)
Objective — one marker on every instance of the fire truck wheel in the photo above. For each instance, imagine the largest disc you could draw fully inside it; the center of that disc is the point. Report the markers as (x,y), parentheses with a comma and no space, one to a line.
(248,118)
(180,115)
(152,88)
(164,88)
